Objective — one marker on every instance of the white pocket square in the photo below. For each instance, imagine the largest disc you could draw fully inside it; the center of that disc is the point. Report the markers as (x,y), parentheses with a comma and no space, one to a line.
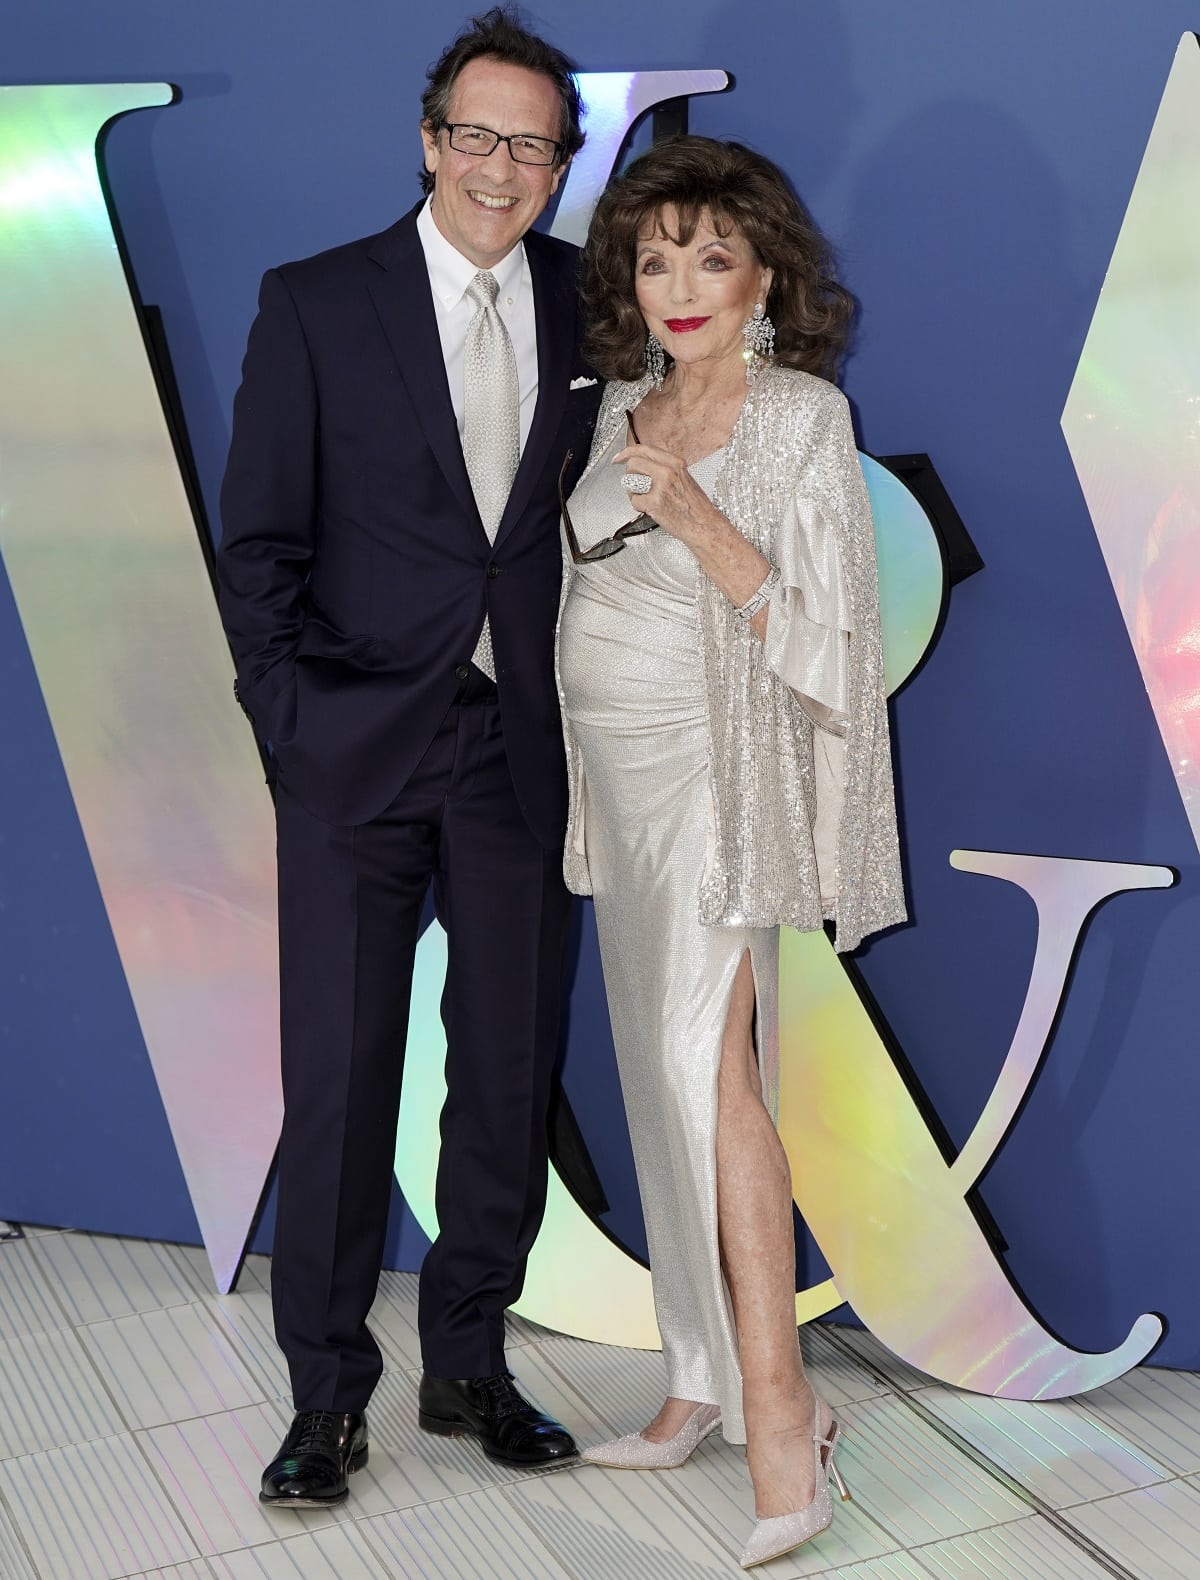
(581,383)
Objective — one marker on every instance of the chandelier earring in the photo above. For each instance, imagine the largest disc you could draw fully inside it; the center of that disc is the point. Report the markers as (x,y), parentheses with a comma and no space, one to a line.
(656,360)
(758,332)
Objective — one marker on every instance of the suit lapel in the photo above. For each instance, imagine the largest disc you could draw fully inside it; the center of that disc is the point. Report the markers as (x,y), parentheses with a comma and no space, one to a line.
(400,292)
(554,317)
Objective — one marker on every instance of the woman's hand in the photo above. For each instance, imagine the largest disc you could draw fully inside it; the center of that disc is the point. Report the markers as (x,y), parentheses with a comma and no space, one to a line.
(681,507)
(675,500)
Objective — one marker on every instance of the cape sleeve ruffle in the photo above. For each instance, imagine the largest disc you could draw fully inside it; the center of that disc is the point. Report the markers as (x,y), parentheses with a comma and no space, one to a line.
(810,619)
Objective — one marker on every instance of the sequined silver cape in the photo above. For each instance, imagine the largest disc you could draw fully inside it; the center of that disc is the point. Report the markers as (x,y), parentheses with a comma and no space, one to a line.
(791,465)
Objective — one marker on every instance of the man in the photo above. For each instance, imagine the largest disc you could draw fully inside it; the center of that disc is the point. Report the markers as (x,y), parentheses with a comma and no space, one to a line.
(389,577)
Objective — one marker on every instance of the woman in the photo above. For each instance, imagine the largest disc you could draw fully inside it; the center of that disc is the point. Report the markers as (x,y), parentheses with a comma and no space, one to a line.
(726,728)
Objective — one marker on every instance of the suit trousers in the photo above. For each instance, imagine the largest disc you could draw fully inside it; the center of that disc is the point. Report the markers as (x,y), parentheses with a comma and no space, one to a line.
(350,903)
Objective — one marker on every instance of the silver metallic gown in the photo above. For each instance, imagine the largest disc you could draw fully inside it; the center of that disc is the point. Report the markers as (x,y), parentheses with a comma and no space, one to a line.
(720,786)
(633,684)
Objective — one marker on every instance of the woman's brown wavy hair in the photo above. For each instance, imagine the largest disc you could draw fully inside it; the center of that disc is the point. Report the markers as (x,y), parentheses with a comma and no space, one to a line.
(735,189)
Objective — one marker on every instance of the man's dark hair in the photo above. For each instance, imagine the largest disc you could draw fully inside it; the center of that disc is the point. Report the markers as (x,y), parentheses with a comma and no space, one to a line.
(499,35)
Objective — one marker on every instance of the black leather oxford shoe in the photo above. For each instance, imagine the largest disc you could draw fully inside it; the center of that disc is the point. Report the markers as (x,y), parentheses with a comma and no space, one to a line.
(321,1449)
(494,1411)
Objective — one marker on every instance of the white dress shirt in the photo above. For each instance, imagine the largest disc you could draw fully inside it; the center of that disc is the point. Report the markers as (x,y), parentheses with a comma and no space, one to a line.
(449,275)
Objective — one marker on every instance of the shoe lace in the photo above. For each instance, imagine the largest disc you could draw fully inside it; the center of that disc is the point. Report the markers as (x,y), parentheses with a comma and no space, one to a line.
(318,1429)
(501,1395)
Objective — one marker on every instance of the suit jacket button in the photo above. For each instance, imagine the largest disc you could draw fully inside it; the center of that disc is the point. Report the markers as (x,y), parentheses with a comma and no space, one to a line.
(463,671)
(493,571)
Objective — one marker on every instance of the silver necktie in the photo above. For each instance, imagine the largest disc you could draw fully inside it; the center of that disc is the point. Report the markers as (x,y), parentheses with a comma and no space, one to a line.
(491,422)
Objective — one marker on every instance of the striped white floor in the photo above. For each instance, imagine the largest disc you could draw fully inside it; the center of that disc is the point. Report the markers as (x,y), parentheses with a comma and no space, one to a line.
(137,1409)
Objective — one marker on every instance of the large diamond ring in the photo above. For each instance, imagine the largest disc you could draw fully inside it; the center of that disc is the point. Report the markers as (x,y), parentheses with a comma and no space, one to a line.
(637,482)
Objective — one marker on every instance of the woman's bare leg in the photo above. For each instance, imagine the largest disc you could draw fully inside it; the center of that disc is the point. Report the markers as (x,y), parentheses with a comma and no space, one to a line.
(754,1215)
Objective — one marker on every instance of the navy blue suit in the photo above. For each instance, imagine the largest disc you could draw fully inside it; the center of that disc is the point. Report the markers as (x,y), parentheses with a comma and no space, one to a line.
(354,577)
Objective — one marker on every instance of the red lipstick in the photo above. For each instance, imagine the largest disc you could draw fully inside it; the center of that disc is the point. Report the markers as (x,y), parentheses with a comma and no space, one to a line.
(682,326)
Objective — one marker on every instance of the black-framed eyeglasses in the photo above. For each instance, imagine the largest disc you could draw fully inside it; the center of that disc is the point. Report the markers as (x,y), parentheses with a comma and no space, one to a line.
(482,141)
(606,547)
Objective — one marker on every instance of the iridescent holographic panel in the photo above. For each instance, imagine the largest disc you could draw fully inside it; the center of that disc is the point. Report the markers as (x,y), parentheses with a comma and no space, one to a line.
(911,573)
(614,100)
(1065,893)
(887,1211)
(101,550)
(1132,421)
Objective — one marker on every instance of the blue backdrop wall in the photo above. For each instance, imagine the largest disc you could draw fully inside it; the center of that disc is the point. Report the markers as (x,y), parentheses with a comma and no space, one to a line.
(972,165)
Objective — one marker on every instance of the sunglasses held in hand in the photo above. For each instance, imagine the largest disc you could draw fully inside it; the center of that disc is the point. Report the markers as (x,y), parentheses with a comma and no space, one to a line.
(606,547)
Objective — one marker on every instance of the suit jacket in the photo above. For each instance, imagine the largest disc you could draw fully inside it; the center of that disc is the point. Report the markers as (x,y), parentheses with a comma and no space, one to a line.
(354,570)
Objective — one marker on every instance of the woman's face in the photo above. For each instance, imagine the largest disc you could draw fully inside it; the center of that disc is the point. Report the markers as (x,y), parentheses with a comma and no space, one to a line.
(696,298)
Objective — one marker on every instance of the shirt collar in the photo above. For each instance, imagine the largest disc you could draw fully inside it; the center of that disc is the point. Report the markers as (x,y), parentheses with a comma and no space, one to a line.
(450,273)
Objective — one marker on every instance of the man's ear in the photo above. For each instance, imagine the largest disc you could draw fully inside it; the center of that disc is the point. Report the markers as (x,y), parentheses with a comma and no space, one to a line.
(429,140)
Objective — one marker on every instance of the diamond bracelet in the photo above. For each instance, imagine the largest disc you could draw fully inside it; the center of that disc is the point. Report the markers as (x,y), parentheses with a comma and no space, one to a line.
(762,597)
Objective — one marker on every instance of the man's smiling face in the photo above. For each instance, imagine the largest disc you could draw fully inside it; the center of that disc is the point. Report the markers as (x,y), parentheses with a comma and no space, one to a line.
(484,206)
